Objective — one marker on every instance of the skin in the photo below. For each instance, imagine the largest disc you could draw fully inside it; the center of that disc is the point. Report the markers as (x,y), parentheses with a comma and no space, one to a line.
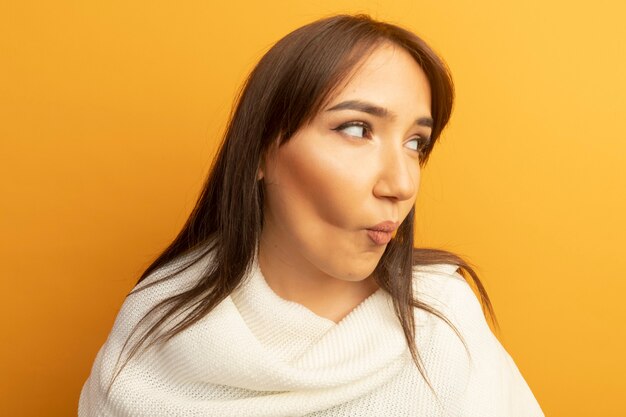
(325,187)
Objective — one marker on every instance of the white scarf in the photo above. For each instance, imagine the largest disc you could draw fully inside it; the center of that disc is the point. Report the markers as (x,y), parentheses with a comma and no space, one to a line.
(255,354)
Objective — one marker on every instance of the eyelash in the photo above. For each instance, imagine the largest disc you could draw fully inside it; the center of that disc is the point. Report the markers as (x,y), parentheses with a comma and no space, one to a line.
(421,148)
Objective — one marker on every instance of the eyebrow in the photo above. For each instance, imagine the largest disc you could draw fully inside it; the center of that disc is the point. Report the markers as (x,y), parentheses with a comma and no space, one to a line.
(378,111)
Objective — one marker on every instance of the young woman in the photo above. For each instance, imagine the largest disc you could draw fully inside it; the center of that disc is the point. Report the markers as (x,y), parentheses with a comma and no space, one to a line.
(294,288)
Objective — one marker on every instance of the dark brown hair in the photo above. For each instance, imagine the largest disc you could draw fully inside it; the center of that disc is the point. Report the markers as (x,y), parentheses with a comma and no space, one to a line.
(286,89)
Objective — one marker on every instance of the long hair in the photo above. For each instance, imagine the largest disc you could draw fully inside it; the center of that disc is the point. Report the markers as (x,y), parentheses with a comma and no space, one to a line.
(285,90)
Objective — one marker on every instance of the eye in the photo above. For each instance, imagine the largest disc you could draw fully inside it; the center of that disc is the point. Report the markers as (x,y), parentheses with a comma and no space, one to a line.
(354,127)
(421,144)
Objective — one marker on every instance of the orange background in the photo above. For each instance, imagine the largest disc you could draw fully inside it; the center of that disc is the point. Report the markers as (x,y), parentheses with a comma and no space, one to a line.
(111,111)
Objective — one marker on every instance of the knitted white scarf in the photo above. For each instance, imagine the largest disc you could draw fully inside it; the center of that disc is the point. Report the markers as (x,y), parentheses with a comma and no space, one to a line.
(255,354)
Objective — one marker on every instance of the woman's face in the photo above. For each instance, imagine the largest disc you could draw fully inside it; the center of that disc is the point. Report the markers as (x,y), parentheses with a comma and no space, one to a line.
(348,170)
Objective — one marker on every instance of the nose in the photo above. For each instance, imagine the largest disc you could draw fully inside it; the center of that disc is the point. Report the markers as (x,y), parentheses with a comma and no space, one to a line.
(398,175)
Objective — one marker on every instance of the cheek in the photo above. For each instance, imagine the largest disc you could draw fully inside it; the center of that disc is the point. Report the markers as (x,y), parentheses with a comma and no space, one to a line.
(318,197)
(324,185)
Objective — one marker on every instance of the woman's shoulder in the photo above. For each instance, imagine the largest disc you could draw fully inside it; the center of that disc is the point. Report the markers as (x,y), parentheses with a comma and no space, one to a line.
(439,282)
(494,384)
(442,287)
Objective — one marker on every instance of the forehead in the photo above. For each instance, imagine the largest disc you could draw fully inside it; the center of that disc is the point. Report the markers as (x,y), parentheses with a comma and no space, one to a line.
(389,76)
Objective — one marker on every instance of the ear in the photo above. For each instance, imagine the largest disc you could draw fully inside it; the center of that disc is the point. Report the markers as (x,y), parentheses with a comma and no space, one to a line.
(260,173)
(268,154)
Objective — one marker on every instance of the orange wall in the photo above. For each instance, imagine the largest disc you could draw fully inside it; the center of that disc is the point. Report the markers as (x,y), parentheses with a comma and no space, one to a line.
(110,112)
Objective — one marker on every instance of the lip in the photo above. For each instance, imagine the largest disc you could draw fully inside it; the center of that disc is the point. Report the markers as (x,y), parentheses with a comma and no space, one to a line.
(386,226)
(382,233)
(379,237)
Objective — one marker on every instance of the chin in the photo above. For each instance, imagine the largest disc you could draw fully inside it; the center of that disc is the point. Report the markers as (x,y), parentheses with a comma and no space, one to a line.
(361,274)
